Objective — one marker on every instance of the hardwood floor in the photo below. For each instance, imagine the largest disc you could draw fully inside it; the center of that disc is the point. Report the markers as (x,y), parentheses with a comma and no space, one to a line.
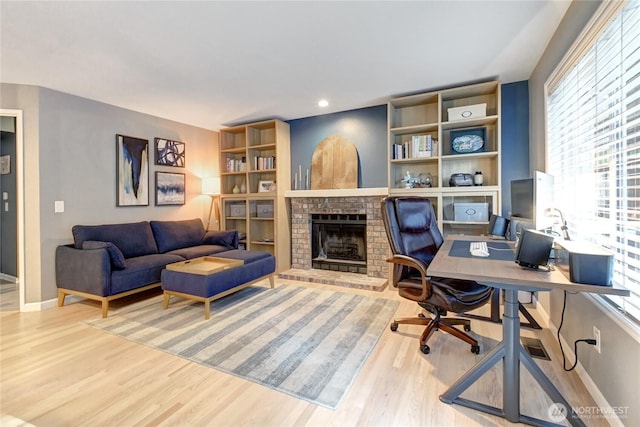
(57,371)
(9,296)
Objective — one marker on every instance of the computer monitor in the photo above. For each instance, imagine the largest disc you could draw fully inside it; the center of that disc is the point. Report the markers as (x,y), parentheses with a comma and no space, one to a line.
(533,249)
(532,200)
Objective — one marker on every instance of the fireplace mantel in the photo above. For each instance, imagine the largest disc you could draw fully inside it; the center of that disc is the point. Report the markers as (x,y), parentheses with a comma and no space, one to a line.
(342,192)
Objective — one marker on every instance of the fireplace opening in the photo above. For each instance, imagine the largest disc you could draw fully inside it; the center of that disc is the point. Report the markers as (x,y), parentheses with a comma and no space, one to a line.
(339,242)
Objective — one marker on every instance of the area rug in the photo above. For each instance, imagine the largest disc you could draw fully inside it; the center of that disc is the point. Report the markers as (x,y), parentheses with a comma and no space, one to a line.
(307,342)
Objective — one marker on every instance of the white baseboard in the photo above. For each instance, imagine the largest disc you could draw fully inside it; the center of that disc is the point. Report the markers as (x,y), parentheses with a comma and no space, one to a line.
(39,306)
(8,278)
(591,387)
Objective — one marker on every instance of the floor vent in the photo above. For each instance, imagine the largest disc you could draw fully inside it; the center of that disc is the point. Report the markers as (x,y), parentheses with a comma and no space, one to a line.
(535,348)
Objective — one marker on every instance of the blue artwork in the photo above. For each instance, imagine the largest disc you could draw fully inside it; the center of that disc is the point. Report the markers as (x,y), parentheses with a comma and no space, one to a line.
(170,188)
(133,171)
(468,140)
(169,153)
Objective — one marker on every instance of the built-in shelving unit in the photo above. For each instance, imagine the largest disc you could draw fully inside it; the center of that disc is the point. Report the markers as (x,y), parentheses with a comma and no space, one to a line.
(255,174)
(425,117)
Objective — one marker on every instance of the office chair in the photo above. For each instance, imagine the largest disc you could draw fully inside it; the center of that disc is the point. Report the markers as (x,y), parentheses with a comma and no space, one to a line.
(414,237)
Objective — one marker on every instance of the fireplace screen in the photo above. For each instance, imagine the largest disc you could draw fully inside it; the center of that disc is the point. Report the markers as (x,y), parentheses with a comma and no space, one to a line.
(339,242)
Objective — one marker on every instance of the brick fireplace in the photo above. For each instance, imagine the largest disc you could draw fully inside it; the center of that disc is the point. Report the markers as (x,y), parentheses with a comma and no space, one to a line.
(364,203)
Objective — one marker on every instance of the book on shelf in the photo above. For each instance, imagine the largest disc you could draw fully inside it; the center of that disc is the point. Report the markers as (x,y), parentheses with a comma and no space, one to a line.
(236,164)
(261,162)
(419,147)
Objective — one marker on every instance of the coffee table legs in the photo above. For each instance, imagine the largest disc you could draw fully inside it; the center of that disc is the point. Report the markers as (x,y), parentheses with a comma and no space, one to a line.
(511,352)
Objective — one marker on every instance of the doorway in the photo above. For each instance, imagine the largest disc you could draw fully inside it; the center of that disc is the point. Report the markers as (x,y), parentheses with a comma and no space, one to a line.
(12,289)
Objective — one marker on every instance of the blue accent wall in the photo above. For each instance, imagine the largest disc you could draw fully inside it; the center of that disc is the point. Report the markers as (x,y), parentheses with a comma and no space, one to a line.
(365,127)
(515,138)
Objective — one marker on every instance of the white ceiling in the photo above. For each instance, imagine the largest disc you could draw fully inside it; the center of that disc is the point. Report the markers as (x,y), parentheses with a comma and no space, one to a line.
(212,64)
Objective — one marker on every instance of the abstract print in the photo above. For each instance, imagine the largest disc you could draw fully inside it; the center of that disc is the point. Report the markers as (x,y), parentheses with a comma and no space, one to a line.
(133,171)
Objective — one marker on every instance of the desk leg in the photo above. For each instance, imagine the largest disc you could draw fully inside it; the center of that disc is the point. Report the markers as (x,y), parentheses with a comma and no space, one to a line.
(512,353)
(511,361)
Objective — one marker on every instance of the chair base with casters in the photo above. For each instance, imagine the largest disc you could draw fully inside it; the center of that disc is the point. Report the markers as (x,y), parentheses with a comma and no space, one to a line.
(438,323)
(435,324)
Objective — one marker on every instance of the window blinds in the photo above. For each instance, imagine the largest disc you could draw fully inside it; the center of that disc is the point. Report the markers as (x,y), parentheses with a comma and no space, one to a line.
(593,146)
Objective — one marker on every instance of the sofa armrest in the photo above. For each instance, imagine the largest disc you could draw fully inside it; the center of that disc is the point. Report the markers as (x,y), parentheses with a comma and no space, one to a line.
(226,238)
(84,270)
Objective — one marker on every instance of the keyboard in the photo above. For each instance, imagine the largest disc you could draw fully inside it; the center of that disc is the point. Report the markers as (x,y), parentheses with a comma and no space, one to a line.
(478,245)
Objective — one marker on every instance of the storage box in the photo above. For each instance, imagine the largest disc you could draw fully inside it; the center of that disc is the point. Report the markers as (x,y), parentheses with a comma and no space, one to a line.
(264,210)
(467,112)
(236,209)
(471,212)
(584,262)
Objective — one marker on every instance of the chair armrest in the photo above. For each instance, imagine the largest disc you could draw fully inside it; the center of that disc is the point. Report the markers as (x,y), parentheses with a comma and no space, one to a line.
(403,260)
(409,262)
(84,270)
(227,238)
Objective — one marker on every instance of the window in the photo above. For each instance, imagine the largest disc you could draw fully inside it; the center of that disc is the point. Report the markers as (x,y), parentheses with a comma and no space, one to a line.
(593,142)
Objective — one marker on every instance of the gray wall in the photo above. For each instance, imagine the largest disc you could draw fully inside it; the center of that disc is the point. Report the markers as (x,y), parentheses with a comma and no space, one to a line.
(615,371)
(70,146)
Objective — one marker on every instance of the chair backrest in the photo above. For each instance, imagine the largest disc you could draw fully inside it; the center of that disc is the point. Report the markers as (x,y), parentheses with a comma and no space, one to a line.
(411,227)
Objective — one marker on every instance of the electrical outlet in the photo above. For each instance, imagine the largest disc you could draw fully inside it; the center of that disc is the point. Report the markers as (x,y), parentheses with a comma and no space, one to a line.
(596,336)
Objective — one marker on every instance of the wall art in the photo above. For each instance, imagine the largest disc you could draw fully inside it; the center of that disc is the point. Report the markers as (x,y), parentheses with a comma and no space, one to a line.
(5,164)
(170,188)
(132,171)
(169,153)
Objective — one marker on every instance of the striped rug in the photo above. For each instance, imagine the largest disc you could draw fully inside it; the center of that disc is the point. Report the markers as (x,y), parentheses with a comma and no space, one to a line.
(309,343)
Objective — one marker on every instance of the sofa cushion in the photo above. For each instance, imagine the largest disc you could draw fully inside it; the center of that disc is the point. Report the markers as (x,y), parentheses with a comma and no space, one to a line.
(141,271)
(226,238)
(115,254)
(172,235)
(133,239)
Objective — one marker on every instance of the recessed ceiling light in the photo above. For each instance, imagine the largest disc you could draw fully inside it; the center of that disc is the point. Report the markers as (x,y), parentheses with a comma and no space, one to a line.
(323,103)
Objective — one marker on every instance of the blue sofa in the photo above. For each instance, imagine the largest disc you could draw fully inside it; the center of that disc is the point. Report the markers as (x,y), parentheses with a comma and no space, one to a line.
(111,261)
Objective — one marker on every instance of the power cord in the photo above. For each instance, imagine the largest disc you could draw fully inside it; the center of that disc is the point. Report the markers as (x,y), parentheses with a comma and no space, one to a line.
(575,344)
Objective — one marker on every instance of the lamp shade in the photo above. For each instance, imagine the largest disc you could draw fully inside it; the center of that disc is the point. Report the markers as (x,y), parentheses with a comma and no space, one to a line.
(211,185)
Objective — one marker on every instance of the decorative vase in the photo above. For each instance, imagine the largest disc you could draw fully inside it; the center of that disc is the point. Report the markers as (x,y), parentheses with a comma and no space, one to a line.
(478,178)
(243,187)
(236,189)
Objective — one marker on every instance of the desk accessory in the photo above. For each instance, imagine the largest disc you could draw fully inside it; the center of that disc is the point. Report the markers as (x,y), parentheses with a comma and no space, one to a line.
(460,180)
(533,249)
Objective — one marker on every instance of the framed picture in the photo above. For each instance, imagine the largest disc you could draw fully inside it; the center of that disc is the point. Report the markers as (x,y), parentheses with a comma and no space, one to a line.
(132,171)
(5,164)
(468,140)
(266,186)
(169,188)
(169,153)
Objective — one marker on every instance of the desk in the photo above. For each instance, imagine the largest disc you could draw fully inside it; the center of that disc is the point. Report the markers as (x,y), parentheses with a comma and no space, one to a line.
(512,278)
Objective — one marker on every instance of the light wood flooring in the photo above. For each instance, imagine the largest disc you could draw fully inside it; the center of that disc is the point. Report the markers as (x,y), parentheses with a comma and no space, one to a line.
(8,296)
(57,371)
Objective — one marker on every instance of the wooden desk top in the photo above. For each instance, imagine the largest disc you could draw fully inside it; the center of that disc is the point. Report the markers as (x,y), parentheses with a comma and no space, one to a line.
(506,274)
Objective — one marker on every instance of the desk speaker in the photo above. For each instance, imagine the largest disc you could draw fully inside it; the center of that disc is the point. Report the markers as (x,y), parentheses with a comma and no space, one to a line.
(498,226)
(533,249)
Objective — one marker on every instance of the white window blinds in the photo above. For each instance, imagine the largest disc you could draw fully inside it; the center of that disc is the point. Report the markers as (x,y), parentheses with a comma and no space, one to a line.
(593,146)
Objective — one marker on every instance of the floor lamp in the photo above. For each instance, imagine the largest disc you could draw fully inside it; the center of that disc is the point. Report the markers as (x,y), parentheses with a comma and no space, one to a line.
(211,187)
